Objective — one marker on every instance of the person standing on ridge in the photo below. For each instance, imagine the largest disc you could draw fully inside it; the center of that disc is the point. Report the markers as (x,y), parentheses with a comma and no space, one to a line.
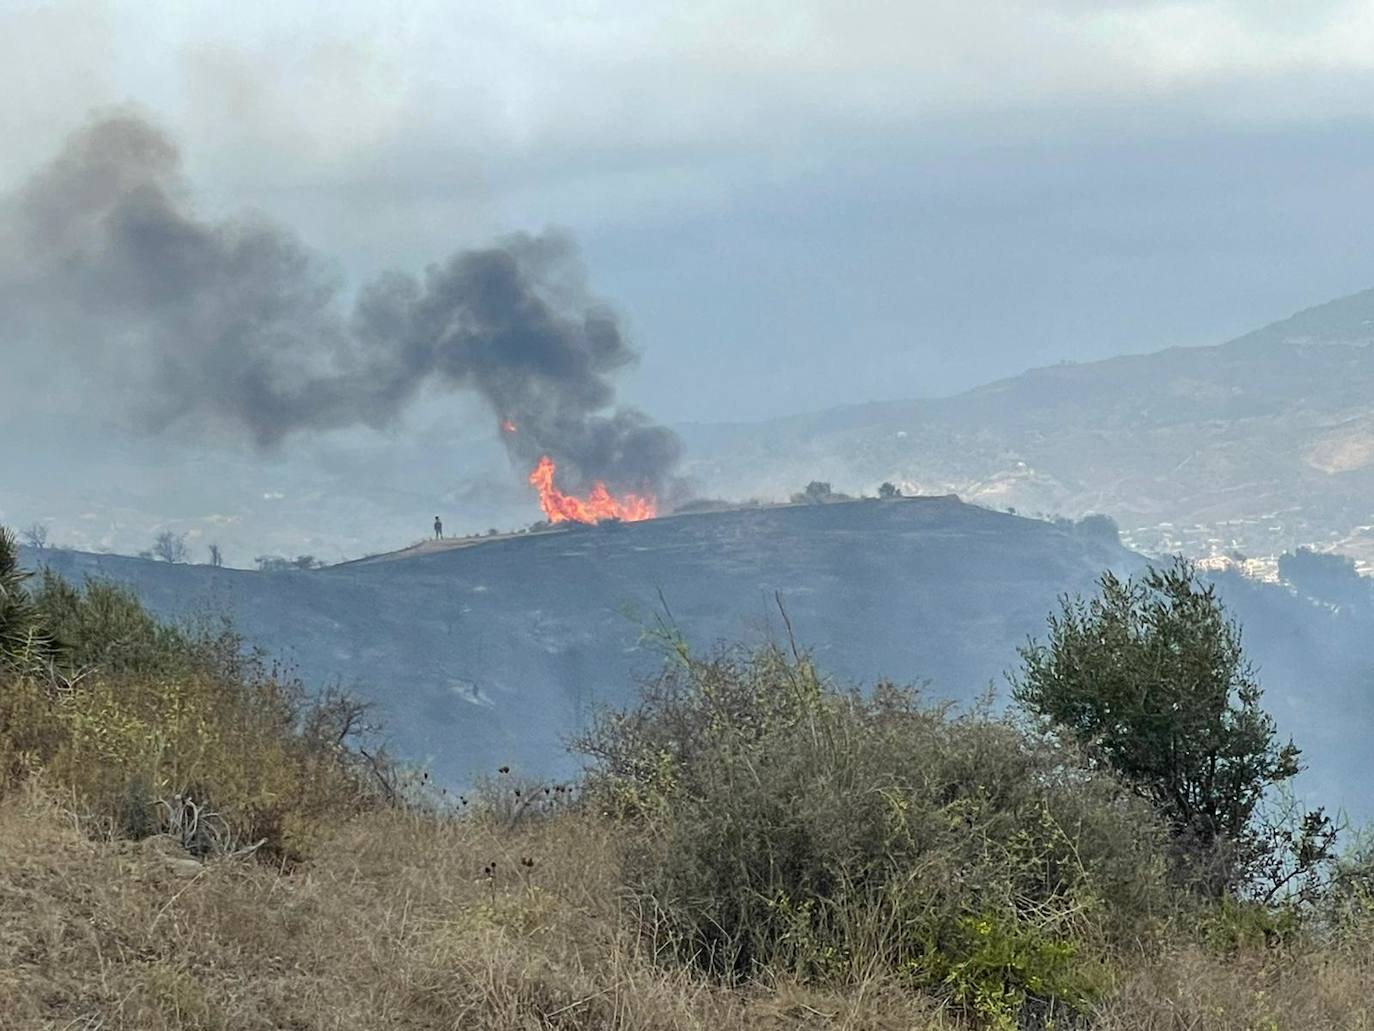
(438,529)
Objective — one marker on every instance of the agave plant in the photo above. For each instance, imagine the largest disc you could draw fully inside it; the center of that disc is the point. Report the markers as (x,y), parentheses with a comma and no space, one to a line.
(24,644)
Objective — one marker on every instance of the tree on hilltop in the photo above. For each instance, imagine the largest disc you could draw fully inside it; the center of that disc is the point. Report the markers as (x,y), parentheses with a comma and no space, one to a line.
(818,492)
(170,547)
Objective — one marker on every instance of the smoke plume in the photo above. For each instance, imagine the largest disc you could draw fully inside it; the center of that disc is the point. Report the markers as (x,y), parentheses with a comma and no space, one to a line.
(236,324)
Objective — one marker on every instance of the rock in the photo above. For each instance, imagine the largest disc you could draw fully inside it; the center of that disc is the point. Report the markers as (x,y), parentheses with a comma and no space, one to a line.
(186,868)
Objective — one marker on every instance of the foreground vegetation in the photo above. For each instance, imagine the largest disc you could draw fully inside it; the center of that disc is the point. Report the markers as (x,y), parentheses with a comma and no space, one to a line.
(189,840)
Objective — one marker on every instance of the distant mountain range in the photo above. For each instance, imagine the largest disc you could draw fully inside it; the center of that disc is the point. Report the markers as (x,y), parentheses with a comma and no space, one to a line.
(493,653)
(1258,445)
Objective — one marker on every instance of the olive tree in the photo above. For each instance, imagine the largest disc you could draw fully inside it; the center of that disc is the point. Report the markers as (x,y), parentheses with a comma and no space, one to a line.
(1150,676)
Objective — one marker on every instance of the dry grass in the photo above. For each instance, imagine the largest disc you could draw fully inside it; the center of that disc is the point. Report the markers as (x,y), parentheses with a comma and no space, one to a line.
(405,922)
(1319,990)
(398,923)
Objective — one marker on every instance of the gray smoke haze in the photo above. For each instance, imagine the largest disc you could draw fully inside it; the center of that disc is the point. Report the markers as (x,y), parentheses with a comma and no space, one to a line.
(236,325)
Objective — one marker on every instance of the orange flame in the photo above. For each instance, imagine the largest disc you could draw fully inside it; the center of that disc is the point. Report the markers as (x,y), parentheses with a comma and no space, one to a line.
(599,504)
(507,426)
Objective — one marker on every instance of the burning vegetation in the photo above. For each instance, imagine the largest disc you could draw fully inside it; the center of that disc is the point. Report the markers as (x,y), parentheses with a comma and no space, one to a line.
(599,504)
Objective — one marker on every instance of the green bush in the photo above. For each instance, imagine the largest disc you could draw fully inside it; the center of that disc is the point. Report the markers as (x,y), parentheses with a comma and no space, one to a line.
(103,625)
(146,727)
(231,748)
(1232,925)
(1149,675)
(1345,911)
(779,826)
(25,644)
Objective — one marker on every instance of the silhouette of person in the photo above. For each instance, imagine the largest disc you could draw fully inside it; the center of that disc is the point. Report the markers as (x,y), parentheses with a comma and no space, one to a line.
(438,529)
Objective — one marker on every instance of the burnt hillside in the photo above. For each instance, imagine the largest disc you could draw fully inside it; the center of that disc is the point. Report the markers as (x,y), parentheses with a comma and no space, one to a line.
(492,654)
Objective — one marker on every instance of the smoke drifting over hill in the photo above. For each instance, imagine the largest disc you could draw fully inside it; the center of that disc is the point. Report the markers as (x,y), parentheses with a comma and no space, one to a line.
(236,324)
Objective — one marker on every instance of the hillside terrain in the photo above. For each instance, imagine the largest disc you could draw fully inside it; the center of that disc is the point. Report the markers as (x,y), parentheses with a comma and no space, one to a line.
(492,654)
(1257,445)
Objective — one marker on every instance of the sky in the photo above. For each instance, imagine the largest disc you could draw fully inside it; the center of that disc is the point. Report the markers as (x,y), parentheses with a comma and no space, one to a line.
(791,204)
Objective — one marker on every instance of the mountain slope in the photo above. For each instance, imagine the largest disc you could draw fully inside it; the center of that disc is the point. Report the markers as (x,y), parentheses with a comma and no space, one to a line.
(492,654)
(1260,444)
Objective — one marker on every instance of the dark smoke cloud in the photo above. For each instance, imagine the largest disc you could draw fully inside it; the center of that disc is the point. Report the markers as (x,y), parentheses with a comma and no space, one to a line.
(235,324)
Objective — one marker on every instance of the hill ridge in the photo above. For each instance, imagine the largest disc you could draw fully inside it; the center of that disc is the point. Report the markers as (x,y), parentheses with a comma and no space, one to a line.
(482,656)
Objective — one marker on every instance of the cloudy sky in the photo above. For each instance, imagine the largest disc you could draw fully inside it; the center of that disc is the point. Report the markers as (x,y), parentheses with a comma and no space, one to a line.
(793,204)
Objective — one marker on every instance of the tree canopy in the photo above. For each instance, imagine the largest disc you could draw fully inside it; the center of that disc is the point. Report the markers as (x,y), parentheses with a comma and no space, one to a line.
(1151,677)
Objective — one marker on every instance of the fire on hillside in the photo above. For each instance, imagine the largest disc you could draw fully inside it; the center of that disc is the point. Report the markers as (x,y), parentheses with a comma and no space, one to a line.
(599,504)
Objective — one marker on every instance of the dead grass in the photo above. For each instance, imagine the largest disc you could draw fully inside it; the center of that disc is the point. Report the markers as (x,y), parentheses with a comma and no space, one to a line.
(398,923)
(405,922)
(1265,990)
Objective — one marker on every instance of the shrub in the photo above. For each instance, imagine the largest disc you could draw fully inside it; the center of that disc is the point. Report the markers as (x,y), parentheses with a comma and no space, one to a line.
(818,492)
(147,727)
(508,800)
(1150,676)
(229,748)
(103,625)
(25,643)
(127,751)
(779,826)
(1346,908)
